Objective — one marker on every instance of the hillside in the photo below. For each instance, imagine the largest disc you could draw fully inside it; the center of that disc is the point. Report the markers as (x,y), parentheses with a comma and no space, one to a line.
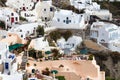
(114,8)
(108,61)
(2,3)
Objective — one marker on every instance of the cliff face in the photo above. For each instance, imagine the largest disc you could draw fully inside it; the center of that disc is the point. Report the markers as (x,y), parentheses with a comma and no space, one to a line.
(61,3)
(110,63)
(114,69)
(107,60)
(2,3)
(114,7)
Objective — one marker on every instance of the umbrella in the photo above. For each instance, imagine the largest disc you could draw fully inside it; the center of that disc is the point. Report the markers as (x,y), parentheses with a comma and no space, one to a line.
(54,71)
(48,52)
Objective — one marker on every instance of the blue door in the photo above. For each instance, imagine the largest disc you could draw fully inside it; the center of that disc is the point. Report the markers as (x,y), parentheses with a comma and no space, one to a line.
(6,65)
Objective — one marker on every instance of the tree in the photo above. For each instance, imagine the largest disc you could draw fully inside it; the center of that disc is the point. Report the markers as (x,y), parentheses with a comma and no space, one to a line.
(32,53)
(3,1)
(90,57)
(40,55)
(55,35)
(46,72)
(40,30)
(55,53)
(67,34)
(60,77)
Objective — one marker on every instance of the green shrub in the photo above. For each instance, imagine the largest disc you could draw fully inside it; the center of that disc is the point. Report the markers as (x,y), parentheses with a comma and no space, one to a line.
(40,30)
(32,53)
(60,77)
(67,34)
(109,78)
(90,57)
(55,35)
(23,19)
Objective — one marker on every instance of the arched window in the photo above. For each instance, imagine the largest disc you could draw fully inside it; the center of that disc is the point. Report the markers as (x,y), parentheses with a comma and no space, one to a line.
(102,40)
(21,36)
(12,14)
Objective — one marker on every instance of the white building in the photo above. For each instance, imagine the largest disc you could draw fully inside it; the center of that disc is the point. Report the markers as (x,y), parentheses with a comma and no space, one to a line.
(104,32)
(70,44)
(9,16)
(102,14)
(91,8)
(107,0)
(21,5)
(25,30)
(66,19)
(6,58)
(29,15)
(8,66)
(40,44)
(3,34)
(3,49)
(44,10)
(85,4)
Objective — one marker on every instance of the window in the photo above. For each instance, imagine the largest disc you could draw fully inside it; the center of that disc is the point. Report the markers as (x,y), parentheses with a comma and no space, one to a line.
(0,56)
(44,9)
(12,14)
(20,30)
(3,36)
(73,45)
(32,79)
(45,18)
(66,17)
(21,36)
(102,40)
(33,70)
(25,14)
(51,9)
(64,21)
(16,19)
(58,20)
(28,32)
(96,33)
(24,8)
(6,66)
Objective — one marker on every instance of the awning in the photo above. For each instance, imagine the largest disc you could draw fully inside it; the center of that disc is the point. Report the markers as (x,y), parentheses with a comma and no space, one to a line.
(48,52)
(15,46)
